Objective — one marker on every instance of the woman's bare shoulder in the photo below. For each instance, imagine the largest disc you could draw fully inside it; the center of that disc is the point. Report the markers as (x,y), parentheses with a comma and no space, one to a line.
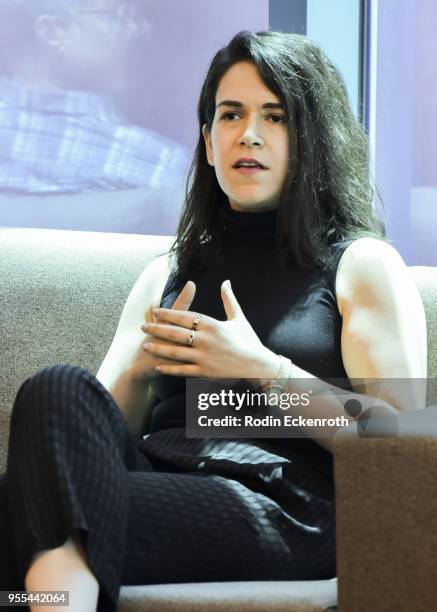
(363,257)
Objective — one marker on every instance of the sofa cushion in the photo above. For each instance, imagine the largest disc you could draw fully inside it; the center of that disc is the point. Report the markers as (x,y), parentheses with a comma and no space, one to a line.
(259,596)
(425,278)
(61,296)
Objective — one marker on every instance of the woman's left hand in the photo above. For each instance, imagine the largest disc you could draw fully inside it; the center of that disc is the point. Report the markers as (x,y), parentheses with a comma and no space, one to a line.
(220,349)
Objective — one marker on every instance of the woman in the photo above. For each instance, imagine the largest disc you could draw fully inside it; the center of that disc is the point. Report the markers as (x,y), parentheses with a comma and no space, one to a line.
(278,195)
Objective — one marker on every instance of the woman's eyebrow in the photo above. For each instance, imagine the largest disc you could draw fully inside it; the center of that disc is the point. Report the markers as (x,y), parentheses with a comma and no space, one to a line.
(237,104)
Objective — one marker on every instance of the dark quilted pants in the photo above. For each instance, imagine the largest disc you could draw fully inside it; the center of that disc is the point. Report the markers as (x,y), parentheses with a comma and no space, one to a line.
(74,466)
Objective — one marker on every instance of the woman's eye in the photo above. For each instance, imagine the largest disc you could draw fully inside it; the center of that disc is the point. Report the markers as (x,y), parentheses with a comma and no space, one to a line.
(229,115)
(277,118)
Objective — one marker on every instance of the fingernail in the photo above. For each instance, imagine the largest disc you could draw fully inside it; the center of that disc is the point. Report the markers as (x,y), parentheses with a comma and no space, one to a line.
(144,327)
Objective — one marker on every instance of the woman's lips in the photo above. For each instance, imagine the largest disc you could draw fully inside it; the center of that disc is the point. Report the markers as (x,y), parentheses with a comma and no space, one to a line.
(246,170)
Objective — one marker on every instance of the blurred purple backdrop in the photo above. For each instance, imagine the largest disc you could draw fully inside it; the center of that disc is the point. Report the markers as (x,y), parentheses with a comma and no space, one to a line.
(98,126)
(406,125)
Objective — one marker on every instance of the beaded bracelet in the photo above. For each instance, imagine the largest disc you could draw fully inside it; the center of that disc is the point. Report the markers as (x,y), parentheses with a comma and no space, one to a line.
(285,369)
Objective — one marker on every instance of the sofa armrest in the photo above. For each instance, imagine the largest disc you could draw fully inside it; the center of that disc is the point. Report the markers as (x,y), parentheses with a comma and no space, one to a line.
(387,516)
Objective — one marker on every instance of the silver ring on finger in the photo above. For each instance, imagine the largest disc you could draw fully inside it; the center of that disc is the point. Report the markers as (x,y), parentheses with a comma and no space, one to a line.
(190,338)
(196,322)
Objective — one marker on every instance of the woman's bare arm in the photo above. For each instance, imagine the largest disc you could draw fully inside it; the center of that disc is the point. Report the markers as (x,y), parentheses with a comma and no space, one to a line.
(384,326)
(127,369)
(383,340)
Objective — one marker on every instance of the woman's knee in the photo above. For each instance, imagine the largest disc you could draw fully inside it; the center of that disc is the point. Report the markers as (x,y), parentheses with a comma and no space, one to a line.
(62,394)
(52,388)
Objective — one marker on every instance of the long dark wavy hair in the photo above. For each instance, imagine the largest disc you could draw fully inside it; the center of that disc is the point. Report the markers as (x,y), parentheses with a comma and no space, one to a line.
(327,195)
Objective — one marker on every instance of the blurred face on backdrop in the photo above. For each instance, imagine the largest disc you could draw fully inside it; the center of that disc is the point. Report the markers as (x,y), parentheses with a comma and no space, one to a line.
(85,45)
(248,140)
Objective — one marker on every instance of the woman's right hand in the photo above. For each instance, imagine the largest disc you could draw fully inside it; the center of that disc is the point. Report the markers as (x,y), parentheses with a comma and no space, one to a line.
(143,364)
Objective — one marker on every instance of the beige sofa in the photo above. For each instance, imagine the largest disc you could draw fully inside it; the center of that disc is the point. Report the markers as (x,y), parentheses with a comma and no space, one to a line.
(61,296)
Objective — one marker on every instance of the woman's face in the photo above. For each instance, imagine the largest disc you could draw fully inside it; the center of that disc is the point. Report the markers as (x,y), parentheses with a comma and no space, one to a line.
(249,122)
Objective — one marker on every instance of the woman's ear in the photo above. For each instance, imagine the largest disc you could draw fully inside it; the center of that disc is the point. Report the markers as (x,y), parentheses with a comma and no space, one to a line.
(207,137)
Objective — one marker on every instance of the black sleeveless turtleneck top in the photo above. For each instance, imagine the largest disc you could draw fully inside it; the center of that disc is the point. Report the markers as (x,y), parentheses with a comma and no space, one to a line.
(294,312)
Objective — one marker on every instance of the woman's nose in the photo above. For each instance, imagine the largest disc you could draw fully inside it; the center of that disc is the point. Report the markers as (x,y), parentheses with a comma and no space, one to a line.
(251,136)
